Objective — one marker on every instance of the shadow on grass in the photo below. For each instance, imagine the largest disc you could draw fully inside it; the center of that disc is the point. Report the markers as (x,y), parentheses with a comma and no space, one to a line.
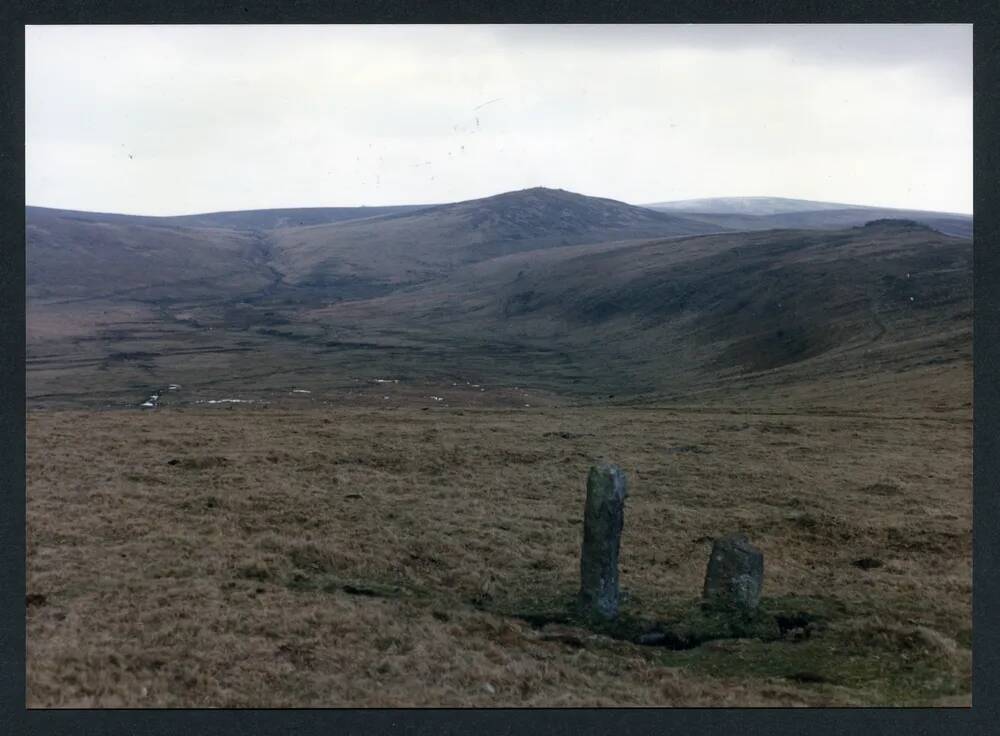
(818,643)
(689,624)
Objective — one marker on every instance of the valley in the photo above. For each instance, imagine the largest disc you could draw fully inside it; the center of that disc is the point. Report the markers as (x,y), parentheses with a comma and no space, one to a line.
(577,298)
(336,457)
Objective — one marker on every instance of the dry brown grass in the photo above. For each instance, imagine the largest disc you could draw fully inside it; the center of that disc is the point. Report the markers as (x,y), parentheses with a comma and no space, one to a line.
(352,557)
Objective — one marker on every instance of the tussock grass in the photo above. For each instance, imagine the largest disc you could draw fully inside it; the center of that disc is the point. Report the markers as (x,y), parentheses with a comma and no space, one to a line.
(358,557)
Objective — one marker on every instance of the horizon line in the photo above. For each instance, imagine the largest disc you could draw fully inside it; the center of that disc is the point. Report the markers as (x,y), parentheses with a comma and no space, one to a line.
(647,205)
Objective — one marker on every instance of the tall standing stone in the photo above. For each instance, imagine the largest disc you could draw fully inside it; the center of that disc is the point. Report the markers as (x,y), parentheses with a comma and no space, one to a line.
(735,574)
(603,518)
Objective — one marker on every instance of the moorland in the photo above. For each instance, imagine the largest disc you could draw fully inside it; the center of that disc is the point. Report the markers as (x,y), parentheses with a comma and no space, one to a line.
(336,456)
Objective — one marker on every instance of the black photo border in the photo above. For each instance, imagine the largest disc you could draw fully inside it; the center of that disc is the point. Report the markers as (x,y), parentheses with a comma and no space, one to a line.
(983,717)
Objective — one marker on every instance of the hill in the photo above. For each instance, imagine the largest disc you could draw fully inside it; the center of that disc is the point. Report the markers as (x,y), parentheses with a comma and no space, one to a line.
(375,428)
(96,257)
(749,205)
(415,246)
(268,219)
(768,213)
(580,298)
(350,252)
(666,317)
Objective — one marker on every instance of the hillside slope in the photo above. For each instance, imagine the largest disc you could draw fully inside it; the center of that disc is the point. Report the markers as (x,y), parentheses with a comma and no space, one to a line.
(580,298)
(748,205)
(70,257)
(351,252)
(666,316)
(269,219)
(768,213)
(415,246)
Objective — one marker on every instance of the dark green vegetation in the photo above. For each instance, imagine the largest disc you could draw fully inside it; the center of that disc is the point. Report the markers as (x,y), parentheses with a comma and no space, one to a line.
(818,643)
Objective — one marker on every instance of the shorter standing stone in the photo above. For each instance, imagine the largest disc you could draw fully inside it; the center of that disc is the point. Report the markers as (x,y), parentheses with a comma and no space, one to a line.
(603,518)
(735,574)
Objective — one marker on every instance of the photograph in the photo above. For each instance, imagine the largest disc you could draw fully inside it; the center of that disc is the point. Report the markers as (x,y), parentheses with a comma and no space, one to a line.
(503,366)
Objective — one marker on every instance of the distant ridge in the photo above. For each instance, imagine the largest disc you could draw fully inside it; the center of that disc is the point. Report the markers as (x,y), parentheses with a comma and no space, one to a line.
(356,251)
(268,219)
(771,213)
(773,206)
(751,205)
(582,296)
(421,243)
(540,207)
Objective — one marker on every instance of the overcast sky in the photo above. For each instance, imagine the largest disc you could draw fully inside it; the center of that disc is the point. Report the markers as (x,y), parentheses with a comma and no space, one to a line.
(181,119)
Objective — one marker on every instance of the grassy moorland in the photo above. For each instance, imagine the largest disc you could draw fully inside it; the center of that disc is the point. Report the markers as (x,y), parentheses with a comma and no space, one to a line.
(336,556)
(363,480)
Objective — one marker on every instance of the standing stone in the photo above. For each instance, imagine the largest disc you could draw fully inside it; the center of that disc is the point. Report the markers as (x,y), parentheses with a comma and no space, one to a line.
(735,574)
(603,518)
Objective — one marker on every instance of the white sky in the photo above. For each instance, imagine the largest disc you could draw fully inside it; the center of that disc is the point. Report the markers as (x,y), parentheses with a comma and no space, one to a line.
(175,119)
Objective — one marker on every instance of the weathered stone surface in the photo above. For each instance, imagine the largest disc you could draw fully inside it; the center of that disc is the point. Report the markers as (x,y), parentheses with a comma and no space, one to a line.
(735,574)
(603,518)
